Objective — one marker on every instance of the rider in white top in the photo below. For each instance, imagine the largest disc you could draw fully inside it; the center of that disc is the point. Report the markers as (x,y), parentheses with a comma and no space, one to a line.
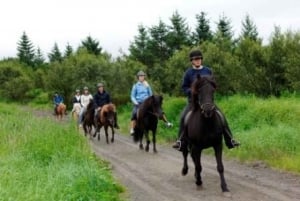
(86,97)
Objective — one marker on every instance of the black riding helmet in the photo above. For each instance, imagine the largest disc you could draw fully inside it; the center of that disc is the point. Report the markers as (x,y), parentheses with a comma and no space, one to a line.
(195,54)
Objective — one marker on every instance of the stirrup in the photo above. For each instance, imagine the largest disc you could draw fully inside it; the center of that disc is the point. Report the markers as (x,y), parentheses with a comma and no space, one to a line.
(177,145)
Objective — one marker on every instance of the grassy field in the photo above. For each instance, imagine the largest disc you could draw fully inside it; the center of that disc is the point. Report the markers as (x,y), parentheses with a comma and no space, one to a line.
(41,159)
(268,129)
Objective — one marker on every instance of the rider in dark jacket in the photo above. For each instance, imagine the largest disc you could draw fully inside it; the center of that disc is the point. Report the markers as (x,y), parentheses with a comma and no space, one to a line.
(188,78)
(101,98)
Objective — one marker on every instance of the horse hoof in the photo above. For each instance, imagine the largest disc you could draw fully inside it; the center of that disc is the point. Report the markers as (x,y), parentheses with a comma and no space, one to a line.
(199,187)
(141,147)
(147,149)
(112,140)
(227,194)
(155,151)
(184,171)
(199,183)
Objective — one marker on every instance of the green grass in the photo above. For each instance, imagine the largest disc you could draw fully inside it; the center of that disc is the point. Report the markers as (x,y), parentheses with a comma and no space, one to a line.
(41,159)
(268,129)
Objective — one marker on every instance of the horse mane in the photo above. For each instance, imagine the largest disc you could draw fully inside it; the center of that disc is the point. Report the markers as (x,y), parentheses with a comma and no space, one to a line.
(90,106)
(148,102)
(106,109)
(199,82)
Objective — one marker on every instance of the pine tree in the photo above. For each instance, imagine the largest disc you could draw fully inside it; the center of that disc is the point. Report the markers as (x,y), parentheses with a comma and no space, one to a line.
(249,29)
(92,45)
(224,28)
(55,54)
(68,51)
(202,32)
(179,33)
(25,50)
(158,42)
(39,58)
(139,48)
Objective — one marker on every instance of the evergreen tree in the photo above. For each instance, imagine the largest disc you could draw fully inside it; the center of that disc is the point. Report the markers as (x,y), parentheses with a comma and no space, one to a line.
(25,50)
(39,58)
(68,51)
(202,32)
(158,42)
(139,48)
(55,54)
(224,28)
(249,29)
(179,33)
(92,45)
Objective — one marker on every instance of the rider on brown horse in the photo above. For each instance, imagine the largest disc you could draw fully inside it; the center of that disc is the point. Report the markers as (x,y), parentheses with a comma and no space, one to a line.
(100,99)
(57,99)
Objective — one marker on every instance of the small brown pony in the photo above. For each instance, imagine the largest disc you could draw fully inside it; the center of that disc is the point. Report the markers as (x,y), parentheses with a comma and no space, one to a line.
(60,111)
(106,119)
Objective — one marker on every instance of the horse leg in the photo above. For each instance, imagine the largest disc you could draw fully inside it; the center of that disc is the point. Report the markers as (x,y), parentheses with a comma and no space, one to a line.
(112,134)
(196,155)
(154,141)
(185,168)
(147,141)
(220,167)
(106,134)
(141,139)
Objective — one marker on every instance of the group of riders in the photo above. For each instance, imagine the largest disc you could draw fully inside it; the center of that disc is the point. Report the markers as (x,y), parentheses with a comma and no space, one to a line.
(141,90)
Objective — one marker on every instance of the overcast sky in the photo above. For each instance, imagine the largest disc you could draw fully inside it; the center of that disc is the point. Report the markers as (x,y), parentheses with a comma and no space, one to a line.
(114,22)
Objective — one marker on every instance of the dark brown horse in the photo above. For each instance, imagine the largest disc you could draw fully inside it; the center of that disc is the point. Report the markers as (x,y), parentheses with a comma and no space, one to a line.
(147,118)
(106,118)
(60,111)
(203,128)
(89,119)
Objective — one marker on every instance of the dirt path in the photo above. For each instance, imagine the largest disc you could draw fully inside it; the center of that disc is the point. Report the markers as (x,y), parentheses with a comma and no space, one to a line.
(157,177)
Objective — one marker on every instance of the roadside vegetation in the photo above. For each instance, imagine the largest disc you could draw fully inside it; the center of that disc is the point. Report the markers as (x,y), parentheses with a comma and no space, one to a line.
(42,159)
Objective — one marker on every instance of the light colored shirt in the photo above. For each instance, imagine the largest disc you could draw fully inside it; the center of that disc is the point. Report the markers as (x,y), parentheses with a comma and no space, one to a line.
(85,99)
(139,92)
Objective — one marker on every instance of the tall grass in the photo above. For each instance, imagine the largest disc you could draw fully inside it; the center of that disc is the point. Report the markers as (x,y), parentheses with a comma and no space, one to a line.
(41,159)
(268,129)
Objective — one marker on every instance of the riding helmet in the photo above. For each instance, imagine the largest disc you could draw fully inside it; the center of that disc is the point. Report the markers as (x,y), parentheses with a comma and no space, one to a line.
(77,91)
(141,73)
(196,54)
(85,88)
(100,85)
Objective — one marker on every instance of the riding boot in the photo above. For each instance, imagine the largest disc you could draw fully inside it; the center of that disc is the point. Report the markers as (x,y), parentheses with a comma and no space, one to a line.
(116,121)
(228,138)
(180,143)
(132,125)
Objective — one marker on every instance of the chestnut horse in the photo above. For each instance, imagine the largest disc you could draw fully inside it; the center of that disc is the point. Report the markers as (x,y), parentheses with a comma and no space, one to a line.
(60,111)
(106,118)
(203,128)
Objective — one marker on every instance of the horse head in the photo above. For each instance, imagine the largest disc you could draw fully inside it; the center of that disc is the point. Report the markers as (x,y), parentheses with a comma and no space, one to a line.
(203,90)
(107,114)
(155,102)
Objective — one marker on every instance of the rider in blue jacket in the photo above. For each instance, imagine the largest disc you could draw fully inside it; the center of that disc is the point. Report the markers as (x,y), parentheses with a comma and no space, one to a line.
(57,99)
(188,78)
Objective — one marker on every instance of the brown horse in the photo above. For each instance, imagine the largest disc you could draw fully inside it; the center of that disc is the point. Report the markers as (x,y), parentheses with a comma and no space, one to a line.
(60,111)
(203,128)
(106,118)
(147,118)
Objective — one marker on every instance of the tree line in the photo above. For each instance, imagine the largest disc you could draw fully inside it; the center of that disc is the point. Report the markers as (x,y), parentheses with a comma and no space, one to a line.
(241,64)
